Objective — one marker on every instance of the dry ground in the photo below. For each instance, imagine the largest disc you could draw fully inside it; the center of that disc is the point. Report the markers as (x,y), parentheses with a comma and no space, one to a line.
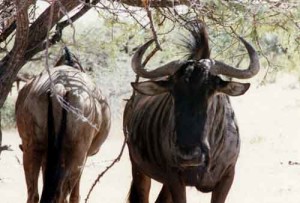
(267,169)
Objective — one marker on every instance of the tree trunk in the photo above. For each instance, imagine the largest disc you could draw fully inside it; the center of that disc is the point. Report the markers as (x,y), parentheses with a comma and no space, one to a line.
(9,65)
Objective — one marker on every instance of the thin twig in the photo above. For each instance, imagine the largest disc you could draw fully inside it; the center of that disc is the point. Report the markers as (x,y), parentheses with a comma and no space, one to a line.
(47,45)
(149,56)
(107,168)
(149,14)
(5,148)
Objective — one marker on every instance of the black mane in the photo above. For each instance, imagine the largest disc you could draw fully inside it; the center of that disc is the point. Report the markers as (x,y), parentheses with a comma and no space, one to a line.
(196,43)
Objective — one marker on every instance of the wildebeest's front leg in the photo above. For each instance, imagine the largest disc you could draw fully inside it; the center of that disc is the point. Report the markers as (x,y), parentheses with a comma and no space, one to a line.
(140,187)
(75,197)
(164,195)
(219,194)
(177,189)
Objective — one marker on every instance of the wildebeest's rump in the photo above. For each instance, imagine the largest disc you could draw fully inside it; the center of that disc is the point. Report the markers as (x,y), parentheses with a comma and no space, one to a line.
(57,140)
(181,128)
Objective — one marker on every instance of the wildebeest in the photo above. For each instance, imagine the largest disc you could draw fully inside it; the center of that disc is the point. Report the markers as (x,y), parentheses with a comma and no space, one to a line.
(180,125)
(57,140)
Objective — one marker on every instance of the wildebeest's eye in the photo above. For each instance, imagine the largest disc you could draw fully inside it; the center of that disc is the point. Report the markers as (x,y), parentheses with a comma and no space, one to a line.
(219,83)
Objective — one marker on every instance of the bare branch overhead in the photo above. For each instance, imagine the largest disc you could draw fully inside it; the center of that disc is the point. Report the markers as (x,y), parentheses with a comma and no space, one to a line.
(156,3)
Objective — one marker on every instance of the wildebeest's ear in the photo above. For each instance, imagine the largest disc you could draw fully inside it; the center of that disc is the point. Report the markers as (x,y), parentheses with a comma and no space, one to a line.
(233,88)
(151,88)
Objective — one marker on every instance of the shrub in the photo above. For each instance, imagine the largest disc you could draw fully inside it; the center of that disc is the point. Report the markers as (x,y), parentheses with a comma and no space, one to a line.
(8,114)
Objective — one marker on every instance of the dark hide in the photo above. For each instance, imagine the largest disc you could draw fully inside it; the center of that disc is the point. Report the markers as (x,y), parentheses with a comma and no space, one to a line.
(182,131)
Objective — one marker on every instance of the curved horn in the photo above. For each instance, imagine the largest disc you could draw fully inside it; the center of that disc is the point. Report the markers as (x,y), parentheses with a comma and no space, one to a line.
(167,69)
(224,69)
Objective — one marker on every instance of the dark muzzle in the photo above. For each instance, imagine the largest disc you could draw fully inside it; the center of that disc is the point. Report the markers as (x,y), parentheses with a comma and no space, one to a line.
(192,156)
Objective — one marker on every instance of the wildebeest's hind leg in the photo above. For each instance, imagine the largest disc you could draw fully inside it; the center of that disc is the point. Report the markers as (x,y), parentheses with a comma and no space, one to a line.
(164,195)
(74,162)
(219,194)
(140,187)
(32,162)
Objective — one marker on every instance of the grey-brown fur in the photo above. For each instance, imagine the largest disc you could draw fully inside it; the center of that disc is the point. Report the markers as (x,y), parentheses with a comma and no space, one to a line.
(79,138)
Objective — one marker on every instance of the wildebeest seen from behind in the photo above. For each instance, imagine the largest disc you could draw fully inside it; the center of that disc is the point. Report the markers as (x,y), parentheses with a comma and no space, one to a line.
(180,125)
(57,140)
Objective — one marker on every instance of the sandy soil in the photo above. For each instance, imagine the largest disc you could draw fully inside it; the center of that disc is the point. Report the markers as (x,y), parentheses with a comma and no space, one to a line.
(268,168)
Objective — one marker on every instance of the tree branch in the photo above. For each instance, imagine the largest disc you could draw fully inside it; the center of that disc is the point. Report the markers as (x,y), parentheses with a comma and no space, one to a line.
(8,24)
(5,148)
(107,168)
(60,26)
(155,3)
(38,30)
(149,14)
(8,31)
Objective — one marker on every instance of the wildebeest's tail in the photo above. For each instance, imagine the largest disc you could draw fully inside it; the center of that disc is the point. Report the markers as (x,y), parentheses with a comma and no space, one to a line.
(54,170)
(197,44)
